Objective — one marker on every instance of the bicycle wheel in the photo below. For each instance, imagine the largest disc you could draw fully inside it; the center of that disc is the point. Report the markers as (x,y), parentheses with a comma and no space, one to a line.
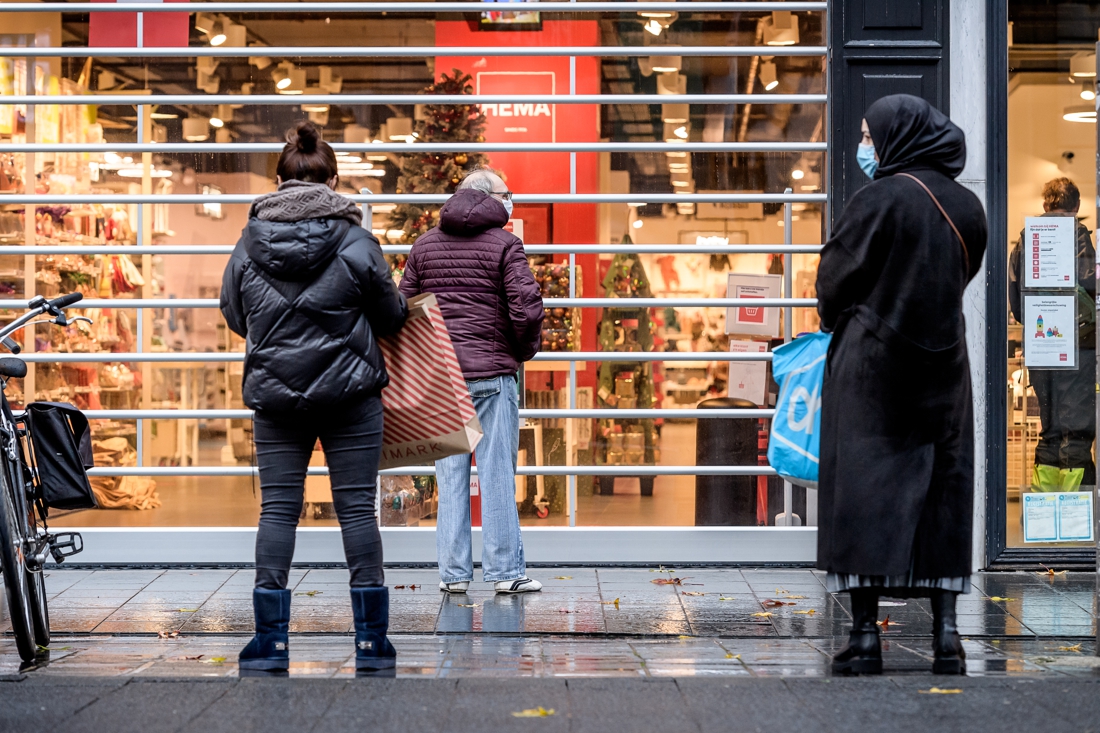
(14,566)
(40,611)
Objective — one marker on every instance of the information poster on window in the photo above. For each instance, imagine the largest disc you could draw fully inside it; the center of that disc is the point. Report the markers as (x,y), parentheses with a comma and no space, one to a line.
(1050,331)
(748,380)
(748,320)
(1058,517)
(1049,252)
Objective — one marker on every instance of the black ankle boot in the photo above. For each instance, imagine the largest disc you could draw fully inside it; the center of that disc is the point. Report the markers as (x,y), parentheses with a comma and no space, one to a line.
(863,652)
(946,642)
(374,654)
(268,654)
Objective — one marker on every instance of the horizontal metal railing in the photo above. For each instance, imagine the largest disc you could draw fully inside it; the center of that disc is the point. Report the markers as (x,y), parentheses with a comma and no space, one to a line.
(295,100)
(425,147)
(398,249)
(602,470)
(549,302)
(397,198)
(223,357)
(533,414)
(336,8)
(401,51)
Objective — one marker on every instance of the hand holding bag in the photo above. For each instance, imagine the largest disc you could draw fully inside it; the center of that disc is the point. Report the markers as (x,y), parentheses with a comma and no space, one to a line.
(427,410)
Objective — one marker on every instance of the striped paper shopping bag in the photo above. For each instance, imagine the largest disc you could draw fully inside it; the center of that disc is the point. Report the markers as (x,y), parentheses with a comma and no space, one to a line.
(427,408)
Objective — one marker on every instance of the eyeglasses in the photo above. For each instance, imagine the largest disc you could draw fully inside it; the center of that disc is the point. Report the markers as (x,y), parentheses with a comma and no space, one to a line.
(502,195)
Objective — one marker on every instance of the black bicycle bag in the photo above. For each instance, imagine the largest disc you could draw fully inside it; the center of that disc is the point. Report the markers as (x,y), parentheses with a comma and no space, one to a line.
(61,452)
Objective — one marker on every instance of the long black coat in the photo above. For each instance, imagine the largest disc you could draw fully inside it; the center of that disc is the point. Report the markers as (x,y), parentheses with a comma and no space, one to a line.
(897,434)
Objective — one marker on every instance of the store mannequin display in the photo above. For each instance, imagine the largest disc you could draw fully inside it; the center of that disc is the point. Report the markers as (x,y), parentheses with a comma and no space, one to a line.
(294,288)
(1067,407)
(896,481)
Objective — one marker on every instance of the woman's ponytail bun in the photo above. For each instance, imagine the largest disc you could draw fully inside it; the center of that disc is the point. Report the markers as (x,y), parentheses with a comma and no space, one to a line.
(306,156)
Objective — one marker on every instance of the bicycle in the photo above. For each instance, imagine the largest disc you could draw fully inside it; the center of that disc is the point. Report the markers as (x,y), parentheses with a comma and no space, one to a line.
(25,539)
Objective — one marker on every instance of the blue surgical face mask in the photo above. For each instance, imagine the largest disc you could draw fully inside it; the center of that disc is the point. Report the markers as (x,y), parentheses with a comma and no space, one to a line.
(865,156)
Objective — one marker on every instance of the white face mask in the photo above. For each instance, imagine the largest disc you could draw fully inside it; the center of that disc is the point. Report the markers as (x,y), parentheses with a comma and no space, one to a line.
(508,207)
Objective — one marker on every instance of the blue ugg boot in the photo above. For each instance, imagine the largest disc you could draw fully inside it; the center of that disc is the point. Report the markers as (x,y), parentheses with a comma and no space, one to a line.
(374,654)
(269,650)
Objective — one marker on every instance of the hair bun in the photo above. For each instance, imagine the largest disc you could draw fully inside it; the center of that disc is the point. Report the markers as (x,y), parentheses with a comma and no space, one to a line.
(304,137)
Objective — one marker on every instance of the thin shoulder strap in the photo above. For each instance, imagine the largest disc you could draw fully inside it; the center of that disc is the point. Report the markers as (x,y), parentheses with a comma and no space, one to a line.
(936,201)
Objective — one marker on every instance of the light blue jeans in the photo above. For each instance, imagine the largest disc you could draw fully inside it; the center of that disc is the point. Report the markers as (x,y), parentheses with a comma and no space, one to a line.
(497,405)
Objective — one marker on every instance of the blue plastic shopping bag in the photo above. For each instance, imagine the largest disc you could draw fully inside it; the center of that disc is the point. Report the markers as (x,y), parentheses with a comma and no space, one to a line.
(795,440)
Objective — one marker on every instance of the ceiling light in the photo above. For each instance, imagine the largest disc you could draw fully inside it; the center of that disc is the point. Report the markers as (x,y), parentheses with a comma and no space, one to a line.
(768,76)
(677,166)
(675,154)
(314,106)
(217,33)
(195,129)
(681,132)
(217,122)
(1080,113)
(681,184)
(330,82)
(204,23)
(1087,92)
(675,114)
(781,29)
(672,82)
(139,172)
(1082,65)
(399,128)
(260,62)
(798,174)
(653,27)
(665,64)
(636,204)
(638,223)
(661,14)
(163,116)
(289,79)
(236,35)
(377,159)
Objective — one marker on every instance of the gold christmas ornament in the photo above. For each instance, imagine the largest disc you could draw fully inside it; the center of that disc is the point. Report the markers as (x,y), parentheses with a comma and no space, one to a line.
(461,159)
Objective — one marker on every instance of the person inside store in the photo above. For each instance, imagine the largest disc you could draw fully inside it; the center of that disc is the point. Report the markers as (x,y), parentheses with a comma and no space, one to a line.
(1067,406)
(493,310)
(309,290)
(896,475)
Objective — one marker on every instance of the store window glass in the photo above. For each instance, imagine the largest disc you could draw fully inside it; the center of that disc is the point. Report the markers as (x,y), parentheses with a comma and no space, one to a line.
(686,261)
(1052,221)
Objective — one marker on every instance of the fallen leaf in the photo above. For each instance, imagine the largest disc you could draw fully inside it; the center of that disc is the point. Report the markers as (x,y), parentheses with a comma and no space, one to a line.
(809,612)
(1076,648)
(467,605)
(732,656)
(192,658)
(414,587)
(409,587)
(726,598)
(772,603)
(312,593)
(1001,599)
(764,614)
(62,648)
(668,581)
(562,577)
(187,610)
(565,610)
(168,634)
(692,593)
(399,587)
(214,660)
(780,591)
(539,712)
(1050,572)
(795,598)
(886,623)
(941,691)
(684,636)
(892,603)
(660,569)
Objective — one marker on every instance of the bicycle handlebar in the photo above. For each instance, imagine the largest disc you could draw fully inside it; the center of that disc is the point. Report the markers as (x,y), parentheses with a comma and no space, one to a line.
(65,301)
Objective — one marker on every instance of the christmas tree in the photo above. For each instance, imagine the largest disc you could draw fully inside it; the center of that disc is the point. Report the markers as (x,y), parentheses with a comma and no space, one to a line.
(626,385)
(438,172)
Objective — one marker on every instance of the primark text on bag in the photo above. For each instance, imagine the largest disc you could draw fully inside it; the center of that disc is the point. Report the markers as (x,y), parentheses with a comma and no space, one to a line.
(427,410)
(794,443)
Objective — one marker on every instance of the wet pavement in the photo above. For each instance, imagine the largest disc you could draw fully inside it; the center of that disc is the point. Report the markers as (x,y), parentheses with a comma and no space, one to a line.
(616,622)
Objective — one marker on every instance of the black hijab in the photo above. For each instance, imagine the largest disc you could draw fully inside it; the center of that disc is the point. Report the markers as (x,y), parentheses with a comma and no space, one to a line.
(910,133)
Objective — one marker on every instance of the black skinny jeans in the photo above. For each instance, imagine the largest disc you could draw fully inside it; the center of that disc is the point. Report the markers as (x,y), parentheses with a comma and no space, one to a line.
(352,446)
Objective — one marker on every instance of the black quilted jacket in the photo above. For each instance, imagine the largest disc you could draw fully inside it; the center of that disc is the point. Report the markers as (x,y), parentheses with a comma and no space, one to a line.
(310,297)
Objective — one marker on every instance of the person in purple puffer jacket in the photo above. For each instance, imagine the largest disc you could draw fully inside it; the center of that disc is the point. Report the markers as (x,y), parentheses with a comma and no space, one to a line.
(493,309)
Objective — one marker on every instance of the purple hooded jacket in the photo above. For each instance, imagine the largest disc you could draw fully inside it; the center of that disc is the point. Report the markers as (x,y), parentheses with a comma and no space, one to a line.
(479,274)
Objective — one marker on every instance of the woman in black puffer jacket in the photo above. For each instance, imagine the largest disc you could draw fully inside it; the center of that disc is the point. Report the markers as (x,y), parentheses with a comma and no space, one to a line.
(309,290)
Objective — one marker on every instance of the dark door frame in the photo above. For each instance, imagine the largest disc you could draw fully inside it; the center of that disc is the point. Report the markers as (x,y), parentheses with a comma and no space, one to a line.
(998,554)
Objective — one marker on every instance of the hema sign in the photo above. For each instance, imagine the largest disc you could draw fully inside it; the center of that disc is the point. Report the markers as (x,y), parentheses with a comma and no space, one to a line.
(520,122)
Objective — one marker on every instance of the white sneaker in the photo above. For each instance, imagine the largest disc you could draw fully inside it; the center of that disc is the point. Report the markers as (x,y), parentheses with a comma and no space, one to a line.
(460,587)
(519,585)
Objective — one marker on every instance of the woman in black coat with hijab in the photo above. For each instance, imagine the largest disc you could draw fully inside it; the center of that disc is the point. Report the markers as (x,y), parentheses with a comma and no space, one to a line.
(897,423)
